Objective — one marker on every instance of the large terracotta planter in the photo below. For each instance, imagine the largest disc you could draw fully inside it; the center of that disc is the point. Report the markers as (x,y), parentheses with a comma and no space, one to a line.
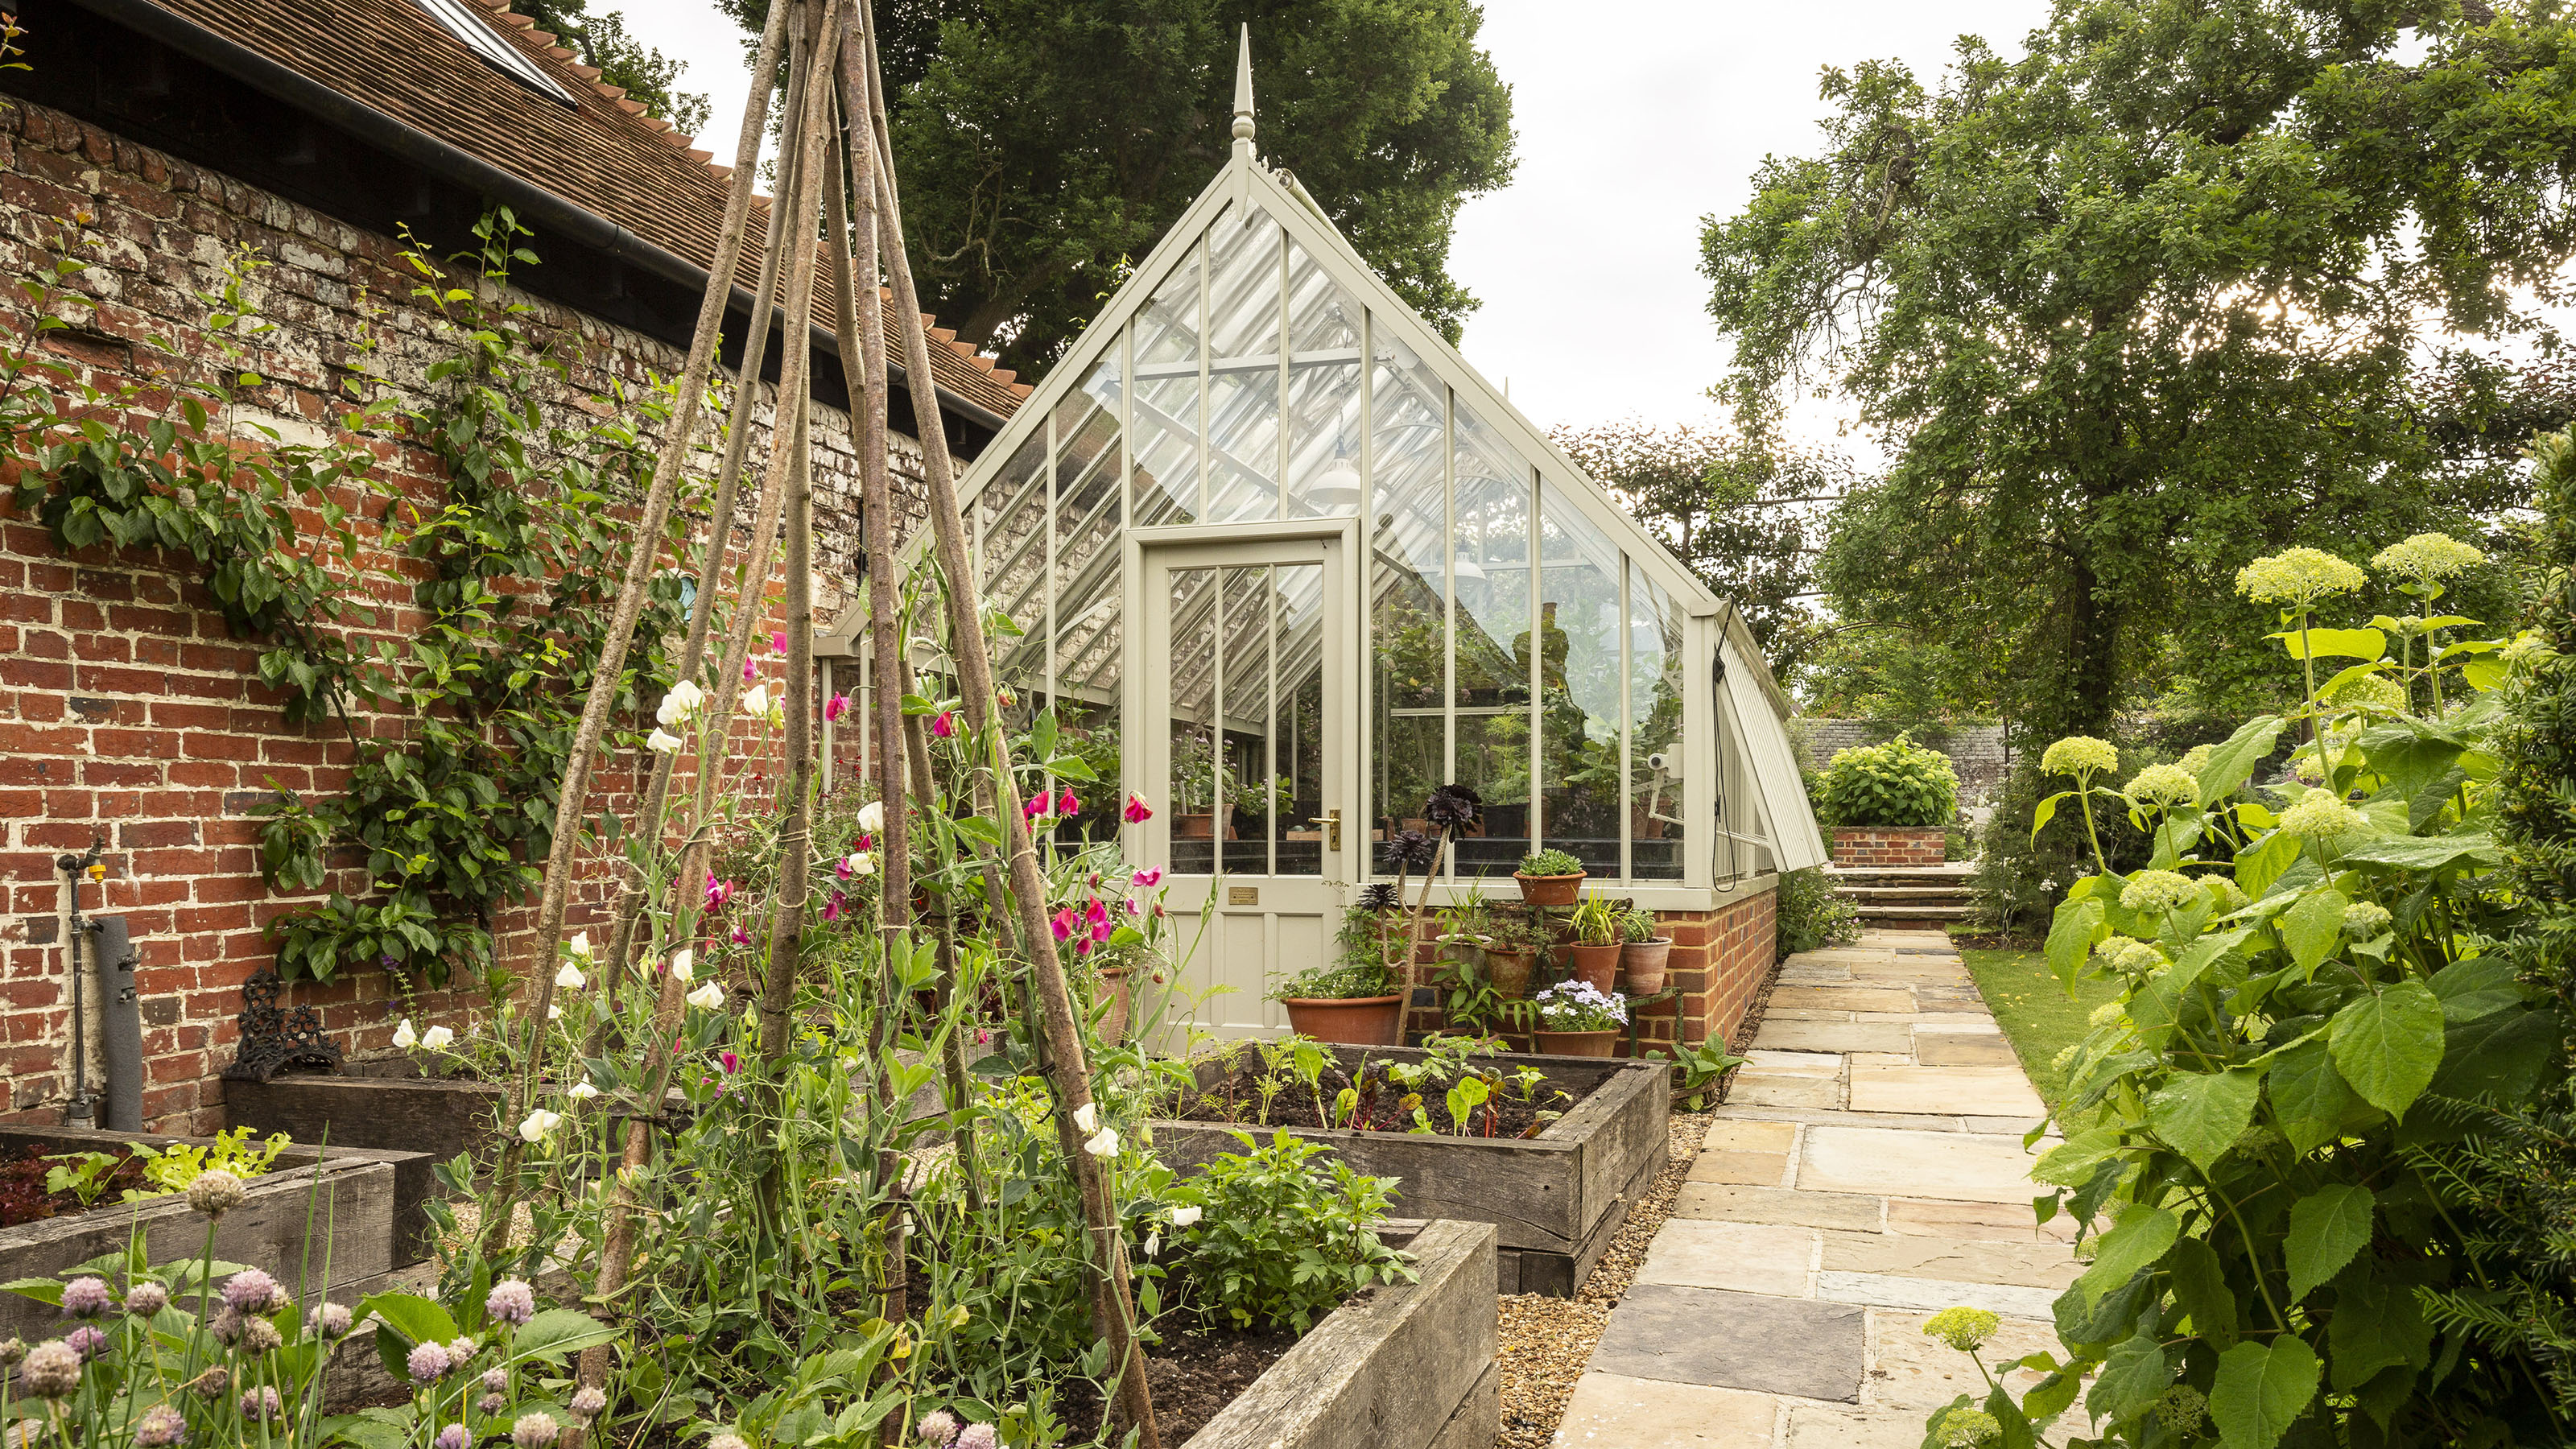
(1597,966)
(1549,890)
(1578,1043)
(1510,971)
(1644,962)
(1347,1021)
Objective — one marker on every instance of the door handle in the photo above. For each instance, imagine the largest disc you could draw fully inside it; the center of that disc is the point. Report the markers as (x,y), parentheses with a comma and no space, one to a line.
(1331,820)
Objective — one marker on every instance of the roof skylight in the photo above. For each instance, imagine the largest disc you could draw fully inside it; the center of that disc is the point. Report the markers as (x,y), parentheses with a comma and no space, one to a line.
(460,21)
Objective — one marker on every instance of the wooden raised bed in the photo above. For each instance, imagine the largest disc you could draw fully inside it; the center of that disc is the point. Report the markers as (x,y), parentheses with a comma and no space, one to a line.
(1411,1368)
(355,1229)
(381,1106)
(1556,1199)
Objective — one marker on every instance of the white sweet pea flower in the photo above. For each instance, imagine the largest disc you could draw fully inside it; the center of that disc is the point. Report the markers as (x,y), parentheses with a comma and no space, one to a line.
(554,1011)
(570,977)
(872,816)
(662,742)
(437,1037)
(538,1124)
(861,863)
(582,1091)
(580,945)
(707,997)
(1182,1217)
(755,704)
(684,964)
(682,703)
(1103,1145)
(1153,1244)
(1087,1117)
(405,1037)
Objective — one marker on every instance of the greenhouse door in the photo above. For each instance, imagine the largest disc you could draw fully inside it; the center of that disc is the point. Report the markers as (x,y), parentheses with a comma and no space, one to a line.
(1246,727)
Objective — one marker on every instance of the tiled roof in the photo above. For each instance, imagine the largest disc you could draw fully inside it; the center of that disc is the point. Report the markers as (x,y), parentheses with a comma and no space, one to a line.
(603,154)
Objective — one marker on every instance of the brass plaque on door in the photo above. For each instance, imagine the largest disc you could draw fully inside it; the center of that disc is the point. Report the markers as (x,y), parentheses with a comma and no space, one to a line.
(1243,895)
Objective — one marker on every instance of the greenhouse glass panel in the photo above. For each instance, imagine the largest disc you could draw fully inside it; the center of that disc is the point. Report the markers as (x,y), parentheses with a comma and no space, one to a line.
(1165,488)
(1578,708)
(1191,790)
(1323,392)
(1243,368)
(1246,680)
(1086,511)
(1655,831)
(1490,638)
(1013,562)
(1408,587)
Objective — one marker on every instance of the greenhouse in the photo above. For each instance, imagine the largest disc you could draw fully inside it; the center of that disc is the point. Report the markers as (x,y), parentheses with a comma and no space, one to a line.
(1284,562)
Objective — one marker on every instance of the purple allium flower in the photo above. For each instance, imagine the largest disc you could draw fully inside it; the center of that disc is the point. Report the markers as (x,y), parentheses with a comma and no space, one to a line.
(215,1192)
(452,1437)
(52,1370)
(86,1298)
(512,1301)
(12,1350)
(88,1342)
(160,1427)
(260,1336)
(261,1404)
(460,1353)
(491,1403)
(978,1436)
(227,1327)
(212,1383)
(936,1428)
(428,1361)
(250,1290)
(590,1401)
(535,1431)
(331,1320)
(146,1298)
(495,1380)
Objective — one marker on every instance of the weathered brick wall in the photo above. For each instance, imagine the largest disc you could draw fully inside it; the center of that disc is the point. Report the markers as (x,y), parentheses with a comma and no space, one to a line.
(1884,847)
(126,711)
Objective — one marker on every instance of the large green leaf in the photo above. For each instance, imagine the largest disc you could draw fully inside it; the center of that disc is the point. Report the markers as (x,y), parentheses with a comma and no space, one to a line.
(2134,1377)
(2137,1241)
(2313,927)
(2203,1113)
(2363,644)
(2421,852)
(2313,1102)
(2070,937)
(2409,755)
(2387,1045)
(2259,865)
(2327,1227)
(2499,1056)
(559,1331)
(2200,1290)
(2475,987)
(2376,1324)
(419,1320)
(2071,1163)
(2261,1390)
(2232,763)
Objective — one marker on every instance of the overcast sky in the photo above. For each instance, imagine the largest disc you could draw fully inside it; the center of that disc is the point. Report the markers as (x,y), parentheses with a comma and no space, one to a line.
(1636,118)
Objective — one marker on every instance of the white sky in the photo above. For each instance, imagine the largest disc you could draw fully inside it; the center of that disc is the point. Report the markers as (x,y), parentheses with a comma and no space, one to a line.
(1636,118)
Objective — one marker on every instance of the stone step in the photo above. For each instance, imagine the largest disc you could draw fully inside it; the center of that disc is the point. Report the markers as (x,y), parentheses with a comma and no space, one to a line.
(1937,895)
(1957,871)
(1871,911)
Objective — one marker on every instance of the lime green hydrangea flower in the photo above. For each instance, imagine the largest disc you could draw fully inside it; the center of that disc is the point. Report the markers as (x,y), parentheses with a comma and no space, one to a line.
(2080,755)
(2065,1056)
(2105,1014)
(2365,919)
(2130,956)
(2297,578)
(2163,786)
(2231,896)
(2196,759)
(1965,1329)
(2159,890)
(2426,557)
(2372,692)
(2319,815)
(1969,1428)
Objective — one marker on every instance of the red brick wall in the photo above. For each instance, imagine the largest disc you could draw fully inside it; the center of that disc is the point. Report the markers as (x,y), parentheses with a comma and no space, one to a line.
(125,709)
(1883,847)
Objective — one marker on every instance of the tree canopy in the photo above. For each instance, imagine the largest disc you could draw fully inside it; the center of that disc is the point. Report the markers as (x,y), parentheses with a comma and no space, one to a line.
(648,77)
(1043,142)
(2149,302)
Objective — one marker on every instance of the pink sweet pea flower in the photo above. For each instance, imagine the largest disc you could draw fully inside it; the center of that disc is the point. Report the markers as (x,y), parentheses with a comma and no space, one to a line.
(1063,924)
(1150,878)
(1130,904)
(718,892)
(777,641)
(833,908)
(841,868)
(943,726)
(732,1063)
(1095,912)
(1067,804)
(741,937)
(1138,812)
(839,706)
(1035,806)
(864,842)
(1082,947)
(750,670)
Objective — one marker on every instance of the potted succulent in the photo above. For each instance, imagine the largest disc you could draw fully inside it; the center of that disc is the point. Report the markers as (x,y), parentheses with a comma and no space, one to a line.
(1511,955)
(1549,878)
(1356,1000)
(1643,952)
(1576,1019)
(1597,942)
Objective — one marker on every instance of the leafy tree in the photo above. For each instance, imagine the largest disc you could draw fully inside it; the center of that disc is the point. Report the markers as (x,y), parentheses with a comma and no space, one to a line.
(1043,142)
(1739,511)
(2145,304)
(648,77)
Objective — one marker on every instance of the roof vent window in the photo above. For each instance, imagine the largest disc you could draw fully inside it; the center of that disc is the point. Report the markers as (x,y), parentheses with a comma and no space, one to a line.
(479,37)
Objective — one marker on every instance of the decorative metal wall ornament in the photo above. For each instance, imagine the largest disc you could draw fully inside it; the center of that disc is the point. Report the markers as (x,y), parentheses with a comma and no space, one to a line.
(273,1040)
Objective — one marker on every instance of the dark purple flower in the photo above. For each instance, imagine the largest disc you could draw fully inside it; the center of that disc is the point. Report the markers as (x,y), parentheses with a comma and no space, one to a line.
(1410,850)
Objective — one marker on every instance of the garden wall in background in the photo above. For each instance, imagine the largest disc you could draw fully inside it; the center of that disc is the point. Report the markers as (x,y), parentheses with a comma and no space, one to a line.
(127,711)
(1977,752)
(1888,847)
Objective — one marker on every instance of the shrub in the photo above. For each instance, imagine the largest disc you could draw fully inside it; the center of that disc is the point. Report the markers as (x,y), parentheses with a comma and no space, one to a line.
(1897,783)
(1551,862)
(1285,1232)
(1811,916)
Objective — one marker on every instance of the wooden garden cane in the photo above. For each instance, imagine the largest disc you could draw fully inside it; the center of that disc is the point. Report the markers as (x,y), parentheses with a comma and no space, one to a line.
(1112,1300)
(572,799)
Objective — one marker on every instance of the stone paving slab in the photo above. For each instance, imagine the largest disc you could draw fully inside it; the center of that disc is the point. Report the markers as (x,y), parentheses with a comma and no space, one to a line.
(2033,1262)
(1760,1169)
(1931,1295)
(1739,1257)
(1967,1091)
(1820,1036)
(1909,1369)
(1888,1161)
(1614,1411)
(1844,998)
(1728,1340)
(1957,1049)
(2002,1222)
(1743,1203)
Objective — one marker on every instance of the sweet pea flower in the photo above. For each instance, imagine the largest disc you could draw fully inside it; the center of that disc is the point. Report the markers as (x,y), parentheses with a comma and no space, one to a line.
(741,935)
(405,1037)
(437,1037)
(1138,812)
(684,964)
(708,996)
(1063,924)
(1149,878)
(662,742)
(1104,1144)
(838,706)
(872,817)
(1036,806)
(538,1124)
(1087,1117)
(1068,804)
(582,1091)
(750,671)
(755,702)
(718,892)
(580,945)
(777,641)
(570,978)
(732,1063)
(1182,1217)
(681,704)
(944,725)
(832,908)
(861,863)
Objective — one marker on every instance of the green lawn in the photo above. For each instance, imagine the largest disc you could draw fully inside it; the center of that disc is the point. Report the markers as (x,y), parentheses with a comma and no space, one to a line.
(2034,1011)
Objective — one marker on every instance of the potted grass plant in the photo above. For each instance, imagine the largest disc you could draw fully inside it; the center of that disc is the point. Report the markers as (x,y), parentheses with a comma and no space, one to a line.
(1597,941)
(1644,951)
(1577,1019)
(1549,878)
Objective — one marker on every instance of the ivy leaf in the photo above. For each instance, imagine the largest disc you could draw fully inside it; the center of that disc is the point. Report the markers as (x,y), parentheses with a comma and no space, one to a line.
(2203,1113)
(2387,1045)
(2312,928)
(2311,1098)
(2138,1241)
(2261,1389)
(2327,1227)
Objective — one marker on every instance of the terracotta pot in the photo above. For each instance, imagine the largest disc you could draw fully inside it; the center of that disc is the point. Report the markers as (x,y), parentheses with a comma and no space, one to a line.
(1644,963)
(1597,966)
(1113,1023)
(1347,1021)
(1578,1043)
(1549,890)
(1510,971)
(1194,827)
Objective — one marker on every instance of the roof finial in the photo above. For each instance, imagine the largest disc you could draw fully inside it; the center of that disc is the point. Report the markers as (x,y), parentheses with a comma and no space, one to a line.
(1243,95)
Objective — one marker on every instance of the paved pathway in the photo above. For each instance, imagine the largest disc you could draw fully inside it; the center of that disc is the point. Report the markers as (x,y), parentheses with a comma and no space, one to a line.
(1866,1172)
